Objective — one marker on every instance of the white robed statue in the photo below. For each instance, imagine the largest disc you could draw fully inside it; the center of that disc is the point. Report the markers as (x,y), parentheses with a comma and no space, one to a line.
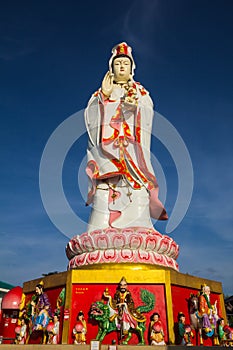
(122,189)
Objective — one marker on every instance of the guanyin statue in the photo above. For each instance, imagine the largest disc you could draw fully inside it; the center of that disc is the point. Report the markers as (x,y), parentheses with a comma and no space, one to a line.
(123,189)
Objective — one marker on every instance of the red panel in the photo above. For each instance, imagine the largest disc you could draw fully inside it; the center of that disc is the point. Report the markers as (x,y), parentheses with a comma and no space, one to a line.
(83,295)
(180,296)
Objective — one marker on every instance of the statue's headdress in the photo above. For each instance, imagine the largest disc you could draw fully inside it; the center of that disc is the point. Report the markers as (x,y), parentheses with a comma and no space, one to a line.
(204,287)
(122,49)
(123,280)
(40,284)
(180,314)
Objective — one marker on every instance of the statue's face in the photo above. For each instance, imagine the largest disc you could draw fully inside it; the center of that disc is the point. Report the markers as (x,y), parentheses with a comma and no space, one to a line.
(121,69)
(123,286)
(38,291)
(182,319)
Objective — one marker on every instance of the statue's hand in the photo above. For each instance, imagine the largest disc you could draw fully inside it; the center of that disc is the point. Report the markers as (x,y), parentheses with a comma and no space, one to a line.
(107,84)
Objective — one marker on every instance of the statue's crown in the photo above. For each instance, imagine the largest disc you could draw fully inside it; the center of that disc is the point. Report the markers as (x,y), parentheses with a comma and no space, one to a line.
(123,49)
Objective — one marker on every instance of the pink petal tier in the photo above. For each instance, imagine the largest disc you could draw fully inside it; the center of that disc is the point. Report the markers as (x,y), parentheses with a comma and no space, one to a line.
(130,245)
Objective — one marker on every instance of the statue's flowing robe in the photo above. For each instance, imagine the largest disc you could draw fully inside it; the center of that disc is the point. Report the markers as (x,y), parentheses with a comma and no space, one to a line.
(122,186)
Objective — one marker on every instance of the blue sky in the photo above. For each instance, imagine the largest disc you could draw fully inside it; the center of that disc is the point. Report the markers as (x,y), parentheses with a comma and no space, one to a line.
(53,56)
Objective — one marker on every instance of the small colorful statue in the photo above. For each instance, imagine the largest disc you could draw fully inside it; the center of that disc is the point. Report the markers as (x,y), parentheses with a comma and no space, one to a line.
(119,314)
(209,314)
(80,329)
(39,311)
(184,331)
(229,334)
(225,333)
(21,332)
(207,311)
(40,308)
(126,312)
(156,330)
(53,330)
